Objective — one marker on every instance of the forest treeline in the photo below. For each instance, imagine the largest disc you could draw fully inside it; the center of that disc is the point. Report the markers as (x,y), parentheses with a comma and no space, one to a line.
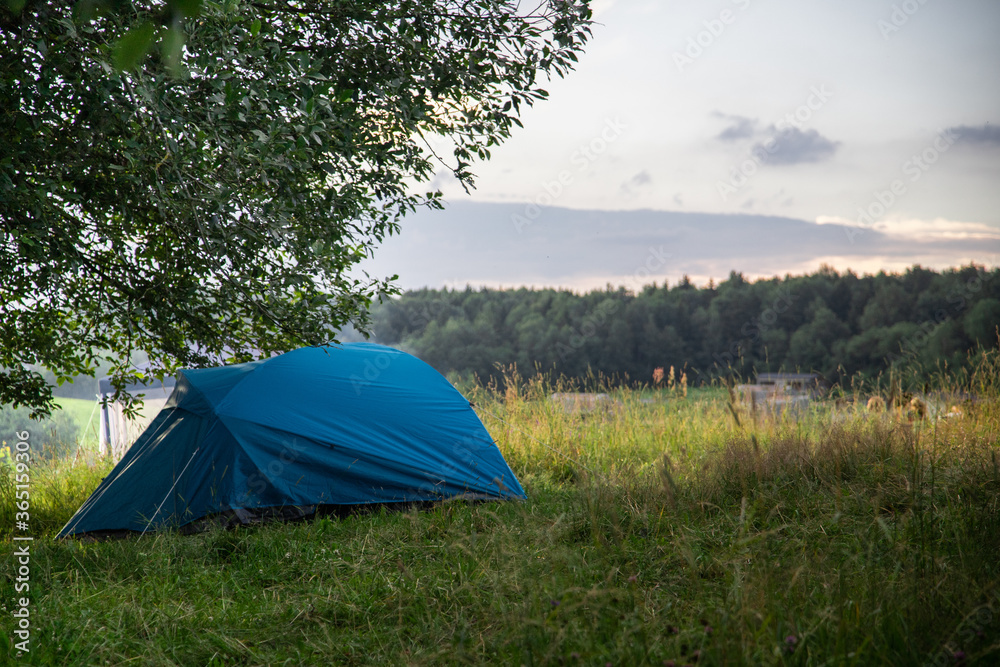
(836,324)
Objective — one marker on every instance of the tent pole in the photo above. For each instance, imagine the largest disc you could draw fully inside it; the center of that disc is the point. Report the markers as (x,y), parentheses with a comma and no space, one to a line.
(176,479)
(91,419)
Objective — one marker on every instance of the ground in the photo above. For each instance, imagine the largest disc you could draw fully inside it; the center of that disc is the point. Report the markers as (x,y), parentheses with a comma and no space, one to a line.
(666,530)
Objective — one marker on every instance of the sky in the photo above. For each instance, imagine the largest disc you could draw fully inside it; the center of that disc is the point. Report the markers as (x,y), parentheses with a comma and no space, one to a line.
(862,134)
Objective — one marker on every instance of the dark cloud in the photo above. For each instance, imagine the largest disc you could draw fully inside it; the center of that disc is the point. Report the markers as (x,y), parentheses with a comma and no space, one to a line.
(795,146)
(980,135)
(642,178)
(637,181)
(741,127)
(522,244)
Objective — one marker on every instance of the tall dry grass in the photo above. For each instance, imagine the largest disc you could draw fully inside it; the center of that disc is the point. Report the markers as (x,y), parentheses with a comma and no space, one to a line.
(658,528)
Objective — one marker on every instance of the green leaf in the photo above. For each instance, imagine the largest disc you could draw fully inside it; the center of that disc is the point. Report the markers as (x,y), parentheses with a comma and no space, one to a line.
(186,7)
(133,47)
(191,202)
(173,42)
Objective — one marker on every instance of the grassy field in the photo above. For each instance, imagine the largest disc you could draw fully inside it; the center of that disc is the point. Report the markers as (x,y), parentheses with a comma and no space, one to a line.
(663,530)
(87,418)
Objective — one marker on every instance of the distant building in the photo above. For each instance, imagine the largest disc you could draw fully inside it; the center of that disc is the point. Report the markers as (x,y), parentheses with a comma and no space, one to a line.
(779,392)
(117,432)
(807,383)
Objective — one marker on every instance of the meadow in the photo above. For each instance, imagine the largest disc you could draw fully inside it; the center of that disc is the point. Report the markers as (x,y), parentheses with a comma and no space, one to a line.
(662,529)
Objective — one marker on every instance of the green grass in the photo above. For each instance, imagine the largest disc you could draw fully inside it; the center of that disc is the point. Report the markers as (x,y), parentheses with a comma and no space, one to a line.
(88,419)
(654,531)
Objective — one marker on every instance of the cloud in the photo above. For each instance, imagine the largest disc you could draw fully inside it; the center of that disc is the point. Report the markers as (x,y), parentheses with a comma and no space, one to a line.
(981,135)
(637,181)
(517,244)
(929,231)
(795,146)
(442,180)
(741,127)
(642,178)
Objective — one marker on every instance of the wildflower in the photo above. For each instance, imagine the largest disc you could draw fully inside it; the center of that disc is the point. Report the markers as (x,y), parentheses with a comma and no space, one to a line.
(555,603)
(632,579)
(708,629)
(669,663)
(658,375)
(791,641)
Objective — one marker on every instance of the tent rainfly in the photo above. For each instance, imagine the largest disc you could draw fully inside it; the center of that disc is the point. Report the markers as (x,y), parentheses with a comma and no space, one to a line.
(339,425)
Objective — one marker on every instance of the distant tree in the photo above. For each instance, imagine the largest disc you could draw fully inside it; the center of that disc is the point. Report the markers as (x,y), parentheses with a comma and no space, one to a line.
(208,203)
(52,438)
(839,300)
(875,349)
(889,304)
(769,323)
(811,347)
(982,322)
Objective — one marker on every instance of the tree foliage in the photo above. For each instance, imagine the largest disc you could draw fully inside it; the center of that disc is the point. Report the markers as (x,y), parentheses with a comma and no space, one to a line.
(209,205)
(54,438)
(835,324)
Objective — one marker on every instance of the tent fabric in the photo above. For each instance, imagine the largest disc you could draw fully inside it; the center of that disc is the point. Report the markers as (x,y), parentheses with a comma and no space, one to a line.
(343,424)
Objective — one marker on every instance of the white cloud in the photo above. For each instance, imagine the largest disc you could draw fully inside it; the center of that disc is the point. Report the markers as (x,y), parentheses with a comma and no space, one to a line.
(939,229)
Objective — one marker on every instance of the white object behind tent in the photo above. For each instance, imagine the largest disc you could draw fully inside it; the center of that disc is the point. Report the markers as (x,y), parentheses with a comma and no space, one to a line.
(117,432)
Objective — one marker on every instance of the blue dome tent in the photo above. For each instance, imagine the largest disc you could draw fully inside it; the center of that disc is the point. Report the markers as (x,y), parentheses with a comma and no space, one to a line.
(340,425)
